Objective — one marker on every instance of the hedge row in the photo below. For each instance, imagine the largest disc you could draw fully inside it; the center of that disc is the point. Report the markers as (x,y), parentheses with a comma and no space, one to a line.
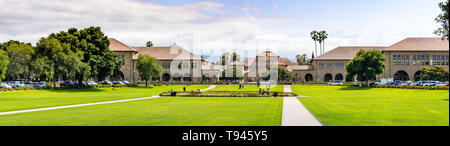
(413,87)
(20,89)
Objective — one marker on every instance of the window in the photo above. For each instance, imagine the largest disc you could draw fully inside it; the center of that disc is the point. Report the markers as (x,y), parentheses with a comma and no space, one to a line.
(403,60)
(166,65)
(329,66)
(446,60)
(395,60)
(438,59)
(407,59)
(427,60)
(434,60)
(443,60)
(123,59)
(422,60)
(414,59)
(321,66)
(339,66)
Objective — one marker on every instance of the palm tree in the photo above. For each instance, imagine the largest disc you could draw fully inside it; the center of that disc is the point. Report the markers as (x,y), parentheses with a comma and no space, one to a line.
(315,37)
(301,59)
(322,37)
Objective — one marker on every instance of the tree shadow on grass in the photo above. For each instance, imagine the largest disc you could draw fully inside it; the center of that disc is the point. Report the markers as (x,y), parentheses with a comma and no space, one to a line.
(445,99)
(350,88)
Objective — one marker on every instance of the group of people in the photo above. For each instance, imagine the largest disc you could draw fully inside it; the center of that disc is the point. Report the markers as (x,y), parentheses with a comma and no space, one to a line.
(264,92)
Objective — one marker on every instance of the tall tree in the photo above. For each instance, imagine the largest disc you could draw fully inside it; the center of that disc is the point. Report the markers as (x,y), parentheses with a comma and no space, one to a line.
(42,68)
(93,45)
(20,56)
(4,61)
(443,20)
(64,61)
(366,65)
(148,67)
(149,44)
(235,56)
(322,37)
(315,38)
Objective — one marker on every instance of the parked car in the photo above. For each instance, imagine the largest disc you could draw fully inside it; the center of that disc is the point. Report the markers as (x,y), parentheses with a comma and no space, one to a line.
(90,83)
(334,83)
(5,85)
(441,84)
(118,83)
(41,85)
(18,84)
(126,82)
(430,83)
(107,83)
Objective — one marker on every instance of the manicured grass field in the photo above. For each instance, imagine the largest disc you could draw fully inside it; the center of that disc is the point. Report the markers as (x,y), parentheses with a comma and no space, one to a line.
(165,111)
(20,100)
(348,106)
(255,88)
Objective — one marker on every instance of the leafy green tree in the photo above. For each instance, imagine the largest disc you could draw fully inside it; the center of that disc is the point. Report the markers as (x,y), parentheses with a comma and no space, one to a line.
(20,56)
(434,73)
(148,67)
(443,20)
(149,44)
(366,65)
(3,46)
(237,74)
(4,61)
(92,44)
(283,74)
(64,61)
(42,67)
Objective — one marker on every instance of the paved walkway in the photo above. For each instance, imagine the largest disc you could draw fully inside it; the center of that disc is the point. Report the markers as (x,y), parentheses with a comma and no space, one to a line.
(209,88)
(295,114)
(86,104)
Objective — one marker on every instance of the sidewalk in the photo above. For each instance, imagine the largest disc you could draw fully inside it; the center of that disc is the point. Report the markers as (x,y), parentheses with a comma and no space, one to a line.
(295,114)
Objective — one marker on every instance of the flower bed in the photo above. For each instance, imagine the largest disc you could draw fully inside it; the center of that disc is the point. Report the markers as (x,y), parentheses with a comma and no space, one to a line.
(228,94)
(413,87)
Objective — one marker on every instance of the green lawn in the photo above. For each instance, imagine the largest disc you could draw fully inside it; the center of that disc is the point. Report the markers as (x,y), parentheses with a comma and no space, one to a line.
(20,100)
(347,106)
(165,111)
(255,88)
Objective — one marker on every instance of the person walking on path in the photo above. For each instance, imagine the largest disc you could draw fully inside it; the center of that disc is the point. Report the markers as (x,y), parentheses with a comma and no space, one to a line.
(184,89)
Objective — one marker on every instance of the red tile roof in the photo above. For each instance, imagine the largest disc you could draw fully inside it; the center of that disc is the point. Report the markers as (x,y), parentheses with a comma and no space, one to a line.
(345,52)
(420,44)
(168,53)
(115,45)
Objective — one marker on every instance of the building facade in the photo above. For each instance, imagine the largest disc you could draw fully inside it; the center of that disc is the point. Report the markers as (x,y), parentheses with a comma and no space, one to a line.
(404,60)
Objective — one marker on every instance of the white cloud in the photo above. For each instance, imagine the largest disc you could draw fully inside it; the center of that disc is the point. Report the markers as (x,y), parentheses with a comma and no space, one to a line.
(205,26)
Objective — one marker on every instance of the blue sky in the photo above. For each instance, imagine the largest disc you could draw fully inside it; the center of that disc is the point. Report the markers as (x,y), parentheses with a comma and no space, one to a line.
(246,26)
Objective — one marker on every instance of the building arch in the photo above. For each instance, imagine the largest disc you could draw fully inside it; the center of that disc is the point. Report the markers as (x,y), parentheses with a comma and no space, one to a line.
(187,77)
(166,77)
(339,77)
(309,77)
(401,76)
(328,77)
(118,76)
(417,76)
(176,77)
